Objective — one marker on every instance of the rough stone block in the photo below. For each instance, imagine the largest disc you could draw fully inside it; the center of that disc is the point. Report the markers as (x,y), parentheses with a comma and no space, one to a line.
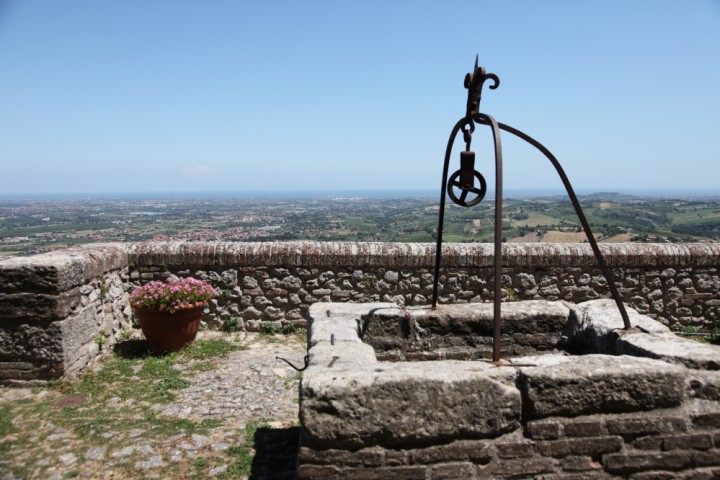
(475,451)
(544,430)
(367,457)
(583,428)
(635,462)
(670,348)
(27,373)
(707,458)
(342,354)
(693,474)
(707,419)
(39,306)
(576,463)
(407,403)
(319,472)
(650,442)
(518,468)
(516,449)
(76,331)
(704,385)
(60,271)
(596,323)
(31,341)
(414,472)
(590,475)
(695,441)
(396,457)
(634,426)
(600,384)
(529,317)
(580,446)
(453,471)
(340,321)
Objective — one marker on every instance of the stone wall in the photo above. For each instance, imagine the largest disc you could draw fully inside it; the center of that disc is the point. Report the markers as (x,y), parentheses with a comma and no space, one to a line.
(679,284)
(57,310)
(641,404)
(53,307)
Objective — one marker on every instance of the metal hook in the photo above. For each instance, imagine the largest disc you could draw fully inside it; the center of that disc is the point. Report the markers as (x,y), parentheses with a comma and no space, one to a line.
(306,360)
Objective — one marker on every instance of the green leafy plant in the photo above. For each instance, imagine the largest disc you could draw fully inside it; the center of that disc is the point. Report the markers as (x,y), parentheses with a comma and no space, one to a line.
(268,328)
(289,329)
(103,286)
(230,325)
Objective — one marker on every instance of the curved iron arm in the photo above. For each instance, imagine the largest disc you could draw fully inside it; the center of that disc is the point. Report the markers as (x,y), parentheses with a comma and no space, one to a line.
(441,218)
(486,120)
(578,210)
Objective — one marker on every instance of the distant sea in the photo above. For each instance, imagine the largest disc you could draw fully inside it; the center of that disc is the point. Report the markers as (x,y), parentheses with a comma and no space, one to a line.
(508,193)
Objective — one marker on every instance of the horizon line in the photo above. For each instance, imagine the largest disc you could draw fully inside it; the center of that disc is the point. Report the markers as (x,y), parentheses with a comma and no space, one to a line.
(372,192)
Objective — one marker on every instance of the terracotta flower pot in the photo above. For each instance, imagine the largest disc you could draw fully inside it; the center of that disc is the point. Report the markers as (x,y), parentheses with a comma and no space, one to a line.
(169,332)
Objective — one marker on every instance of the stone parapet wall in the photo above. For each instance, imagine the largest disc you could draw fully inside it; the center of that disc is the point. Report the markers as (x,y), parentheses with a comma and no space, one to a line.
(54,306)
(678,284)
(58,309)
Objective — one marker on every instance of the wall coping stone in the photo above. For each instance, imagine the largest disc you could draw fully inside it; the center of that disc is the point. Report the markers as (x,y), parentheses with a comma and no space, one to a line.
(64,269)
(61,270)
(418,255)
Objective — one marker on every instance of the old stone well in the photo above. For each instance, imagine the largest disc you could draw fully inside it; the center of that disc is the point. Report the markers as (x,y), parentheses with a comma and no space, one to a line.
(406,392)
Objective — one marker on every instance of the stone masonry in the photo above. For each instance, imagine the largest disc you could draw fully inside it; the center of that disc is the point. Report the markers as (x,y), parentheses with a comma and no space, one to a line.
(57,309)
(678,284)
(640,404)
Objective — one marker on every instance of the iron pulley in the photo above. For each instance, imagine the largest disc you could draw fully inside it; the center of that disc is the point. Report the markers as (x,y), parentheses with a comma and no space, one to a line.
(464,180)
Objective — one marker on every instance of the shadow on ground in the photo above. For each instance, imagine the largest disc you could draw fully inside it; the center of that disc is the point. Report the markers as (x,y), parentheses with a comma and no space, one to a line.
(275,453)
(133,348)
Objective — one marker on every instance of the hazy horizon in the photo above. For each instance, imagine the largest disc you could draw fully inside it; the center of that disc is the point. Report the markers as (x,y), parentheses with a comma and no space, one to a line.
(373,193)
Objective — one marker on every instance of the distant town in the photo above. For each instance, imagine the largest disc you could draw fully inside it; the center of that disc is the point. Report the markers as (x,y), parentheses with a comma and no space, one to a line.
(30,226)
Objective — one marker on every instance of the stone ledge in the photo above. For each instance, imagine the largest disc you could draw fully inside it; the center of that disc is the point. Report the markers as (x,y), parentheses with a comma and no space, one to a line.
(399,403)
(587,384)
(418,255)
(61,270)
(597,324)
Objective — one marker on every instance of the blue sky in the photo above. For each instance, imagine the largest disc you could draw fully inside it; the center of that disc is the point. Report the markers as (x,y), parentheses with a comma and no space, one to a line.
(133,96)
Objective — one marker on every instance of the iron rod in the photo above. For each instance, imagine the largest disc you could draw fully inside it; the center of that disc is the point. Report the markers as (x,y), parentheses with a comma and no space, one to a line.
(581,215)
(441,217)
(497,321)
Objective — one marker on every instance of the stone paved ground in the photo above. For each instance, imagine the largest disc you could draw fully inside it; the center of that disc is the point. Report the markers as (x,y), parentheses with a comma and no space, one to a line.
(236,417)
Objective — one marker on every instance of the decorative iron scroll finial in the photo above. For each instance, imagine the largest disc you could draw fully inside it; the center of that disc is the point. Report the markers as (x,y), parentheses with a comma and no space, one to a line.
(474,83)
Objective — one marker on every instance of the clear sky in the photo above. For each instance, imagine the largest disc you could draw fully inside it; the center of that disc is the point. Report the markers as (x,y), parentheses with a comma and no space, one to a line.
(137,96)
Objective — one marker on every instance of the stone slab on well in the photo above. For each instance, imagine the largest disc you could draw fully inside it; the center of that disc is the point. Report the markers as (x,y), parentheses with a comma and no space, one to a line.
(596,325)
(474,318)
(338,322)
(343,354)
(588,384)
(704,385)
(670,348)
(407,403)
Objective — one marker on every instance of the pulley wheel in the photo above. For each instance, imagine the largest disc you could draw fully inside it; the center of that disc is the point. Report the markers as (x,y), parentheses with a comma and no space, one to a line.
(462,200)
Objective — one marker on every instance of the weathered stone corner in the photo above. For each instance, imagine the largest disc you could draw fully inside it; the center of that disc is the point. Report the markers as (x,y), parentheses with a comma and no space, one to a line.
(53,307)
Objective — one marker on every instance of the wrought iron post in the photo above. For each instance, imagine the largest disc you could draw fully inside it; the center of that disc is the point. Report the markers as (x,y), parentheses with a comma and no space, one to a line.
(464,180)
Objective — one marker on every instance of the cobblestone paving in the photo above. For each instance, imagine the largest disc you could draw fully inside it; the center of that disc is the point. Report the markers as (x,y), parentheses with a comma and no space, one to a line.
(247,389)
